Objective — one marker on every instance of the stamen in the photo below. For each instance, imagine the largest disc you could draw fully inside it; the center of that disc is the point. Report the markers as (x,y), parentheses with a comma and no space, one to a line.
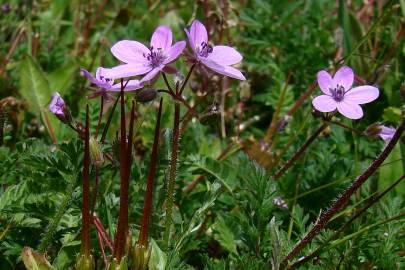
(155,57)
(204,49)
(338,93)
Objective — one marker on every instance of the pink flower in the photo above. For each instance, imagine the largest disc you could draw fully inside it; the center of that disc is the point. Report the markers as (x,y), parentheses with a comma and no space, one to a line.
(386,133)
(59,109)
(141,60)
(217,58)
(106,83)
(339,94)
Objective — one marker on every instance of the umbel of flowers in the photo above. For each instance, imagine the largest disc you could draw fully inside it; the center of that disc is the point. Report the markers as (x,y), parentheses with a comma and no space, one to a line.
(141,66)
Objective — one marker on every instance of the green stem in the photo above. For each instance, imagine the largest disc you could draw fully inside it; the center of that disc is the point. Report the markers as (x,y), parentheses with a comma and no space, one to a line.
(50,230)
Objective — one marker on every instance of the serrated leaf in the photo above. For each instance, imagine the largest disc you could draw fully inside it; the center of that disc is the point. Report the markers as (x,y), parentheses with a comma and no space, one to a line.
(224,235)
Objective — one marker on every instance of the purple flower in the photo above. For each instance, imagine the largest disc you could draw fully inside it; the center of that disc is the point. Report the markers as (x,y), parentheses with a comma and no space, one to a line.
(339,94)
(217,58)
(58,108)
(386,133)
(141,60)
(106,83)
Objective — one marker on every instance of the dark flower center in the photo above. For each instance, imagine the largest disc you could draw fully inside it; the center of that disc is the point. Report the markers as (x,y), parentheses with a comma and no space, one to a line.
(204,49)
(155,57)
(338,93)
(104,79)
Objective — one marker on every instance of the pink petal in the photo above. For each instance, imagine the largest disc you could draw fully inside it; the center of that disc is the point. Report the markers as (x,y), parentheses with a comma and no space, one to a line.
(152,74)
(345,77)
(225,55)
(161,38)
(131,86)
(324,103)
(224,70)
(128,70)
(88,75)
(130,51)
(198,34)
(350,110)
(324,81)
(174,51)
(386,133)
(362,94)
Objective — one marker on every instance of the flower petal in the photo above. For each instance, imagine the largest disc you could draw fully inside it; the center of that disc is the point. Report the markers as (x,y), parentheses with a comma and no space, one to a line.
(344,77)
(350,110)
(131,86)
(324,103)
(161,38)
(88,75)
(223,69)
(362,94)
(174,51)
(198,34)
(130,51)
(387,133)
(128,70)
(324,81)
(225,55)
(94,80)
(152,74)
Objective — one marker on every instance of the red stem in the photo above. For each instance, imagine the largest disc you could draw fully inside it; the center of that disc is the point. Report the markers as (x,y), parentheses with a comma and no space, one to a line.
(147,207)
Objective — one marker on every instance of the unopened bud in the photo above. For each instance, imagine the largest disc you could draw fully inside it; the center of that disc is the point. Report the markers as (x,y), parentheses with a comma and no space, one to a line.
(59,109)
(373,130)
(34,260)
(115,265)
(96,155)
(141,255)
(377,130)
(210,115)
(85,262)
(244,91)
(146,95)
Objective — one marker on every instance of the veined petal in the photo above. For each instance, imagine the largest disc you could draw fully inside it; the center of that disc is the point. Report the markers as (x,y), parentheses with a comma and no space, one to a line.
(127,70)
(223,69)
(152,74)
(324,103)
(344,77)
(324,81)
(94,80)
(161,38)
(225,55)
(174,51)
(350,110)
(198,34)
(131,86)
(88,75)
(130,51)
(362,94)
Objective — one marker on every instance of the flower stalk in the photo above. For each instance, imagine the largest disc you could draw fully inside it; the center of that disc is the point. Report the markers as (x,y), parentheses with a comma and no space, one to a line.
(344,197)
(147,207)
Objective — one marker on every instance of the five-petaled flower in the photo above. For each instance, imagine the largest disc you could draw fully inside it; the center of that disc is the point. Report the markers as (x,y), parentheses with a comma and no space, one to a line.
(339,94)
(140,59)
(217,58)
(106,83)
(58,108)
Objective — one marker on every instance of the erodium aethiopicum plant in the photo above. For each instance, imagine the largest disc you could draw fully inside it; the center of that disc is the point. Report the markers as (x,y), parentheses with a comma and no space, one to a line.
(155,60)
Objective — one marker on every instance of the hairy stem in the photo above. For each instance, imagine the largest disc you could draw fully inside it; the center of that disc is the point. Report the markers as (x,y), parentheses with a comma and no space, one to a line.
(300,151)
(373,200)
(344,197)
(172,173)
(85,247)
(147,207)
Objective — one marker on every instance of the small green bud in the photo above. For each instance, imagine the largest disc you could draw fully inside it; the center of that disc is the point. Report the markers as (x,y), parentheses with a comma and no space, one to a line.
(115,265)
(141,256)
(34,260)
(96,155)
(146,95)
(85,262)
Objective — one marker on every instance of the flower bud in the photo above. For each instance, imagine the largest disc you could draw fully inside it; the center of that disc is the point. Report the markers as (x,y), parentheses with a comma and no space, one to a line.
(34,260)
(210,115)
(85,262)
(59,109)
(244,91)
(377,130)
(115,265)
(146,95)
(141,256)
(96,155)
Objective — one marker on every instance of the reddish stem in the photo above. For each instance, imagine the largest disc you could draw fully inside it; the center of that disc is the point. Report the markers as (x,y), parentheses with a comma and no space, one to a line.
(100,229)
(344,197)
(147,207)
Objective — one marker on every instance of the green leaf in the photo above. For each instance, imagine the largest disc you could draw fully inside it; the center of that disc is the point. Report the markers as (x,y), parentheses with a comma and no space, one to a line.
(34,85)
(390,173)
(158,258)
(35,261)
(224,235)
